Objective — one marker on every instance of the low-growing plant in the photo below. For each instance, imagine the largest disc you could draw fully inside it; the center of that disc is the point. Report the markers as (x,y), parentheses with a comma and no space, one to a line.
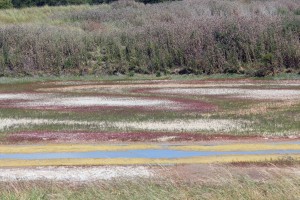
(131,73)
(158,74)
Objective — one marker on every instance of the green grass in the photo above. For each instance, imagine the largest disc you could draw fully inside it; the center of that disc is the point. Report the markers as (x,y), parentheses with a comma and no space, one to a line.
(41,15)
(28,79)
(236,188)
(32,79)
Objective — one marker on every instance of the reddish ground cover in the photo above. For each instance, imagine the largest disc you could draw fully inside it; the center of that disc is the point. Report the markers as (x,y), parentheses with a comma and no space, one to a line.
(118,137)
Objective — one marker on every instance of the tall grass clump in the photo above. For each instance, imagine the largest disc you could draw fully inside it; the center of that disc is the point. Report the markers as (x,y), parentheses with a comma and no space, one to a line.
(31,49)
(257,38)
(225,189)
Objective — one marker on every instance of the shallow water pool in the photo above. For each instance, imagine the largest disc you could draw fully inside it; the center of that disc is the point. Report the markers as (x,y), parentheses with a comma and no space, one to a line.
(150,154)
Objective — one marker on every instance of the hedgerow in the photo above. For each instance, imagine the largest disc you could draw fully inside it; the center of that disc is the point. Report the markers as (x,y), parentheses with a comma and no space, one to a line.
(192,36)
(29,3)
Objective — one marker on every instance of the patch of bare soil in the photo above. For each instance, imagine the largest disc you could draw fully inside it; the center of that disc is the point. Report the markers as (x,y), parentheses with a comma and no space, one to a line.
(194,173)
(74,174)
(222,125)
(119,86)
(6,123)
(260,94)
(99,102)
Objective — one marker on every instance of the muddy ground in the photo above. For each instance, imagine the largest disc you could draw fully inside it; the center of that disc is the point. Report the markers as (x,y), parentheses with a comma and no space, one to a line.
(189,112)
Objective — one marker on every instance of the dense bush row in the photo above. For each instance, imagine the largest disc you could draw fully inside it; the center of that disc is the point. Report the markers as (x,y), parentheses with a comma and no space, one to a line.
(4,4)
(28,3)
(192,36)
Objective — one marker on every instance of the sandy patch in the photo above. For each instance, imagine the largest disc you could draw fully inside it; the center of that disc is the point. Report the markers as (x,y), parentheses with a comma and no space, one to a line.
(99,101)
(186,125)
(166,138)
(240,93)
(73,174)
(261,108)
(23,96)
(82,87)
(70,83)
(177,125)
(58,101)
(10,122)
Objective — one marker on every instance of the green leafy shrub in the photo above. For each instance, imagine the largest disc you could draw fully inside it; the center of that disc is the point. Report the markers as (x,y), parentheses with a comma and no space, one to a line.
(4,4)
(267,59)
(29,3)
(297,11)
(131,73)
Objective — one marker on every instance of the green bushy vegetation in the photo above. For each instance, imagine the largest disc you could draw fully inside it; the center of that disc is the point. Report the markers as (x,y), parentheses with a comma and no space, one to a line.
(126,37)
(4,4)
(29,3)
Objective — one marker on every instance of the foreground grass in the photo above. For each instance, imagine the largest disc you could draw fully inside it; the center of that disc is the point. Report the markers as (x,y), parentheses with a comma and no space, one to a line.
(236,188)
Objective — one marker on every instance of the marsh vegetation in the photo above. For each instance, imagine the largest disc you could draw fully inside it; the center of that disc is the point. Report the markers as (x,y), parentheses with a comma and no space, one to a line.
(256,38)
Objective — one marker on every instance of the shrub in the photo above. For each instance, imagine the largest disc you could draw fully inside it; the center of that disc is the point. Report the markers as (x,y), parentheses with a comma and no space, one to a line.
(35,49)
(29,3)
(297,11)
(4,4)
(184,37)
(293,25)
(267,59)
(131,73)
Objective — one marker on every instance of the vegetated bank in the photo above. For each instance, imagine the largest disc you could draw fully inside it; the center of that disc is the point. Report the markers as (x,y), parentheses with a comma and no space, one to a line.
(4,4)
(256,38)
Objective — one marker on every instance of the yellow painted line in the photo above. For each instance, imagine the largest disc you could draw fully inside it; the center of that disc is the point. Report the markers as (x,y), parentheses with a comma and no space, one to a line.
(238,147)
(72,148)
(142,161)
